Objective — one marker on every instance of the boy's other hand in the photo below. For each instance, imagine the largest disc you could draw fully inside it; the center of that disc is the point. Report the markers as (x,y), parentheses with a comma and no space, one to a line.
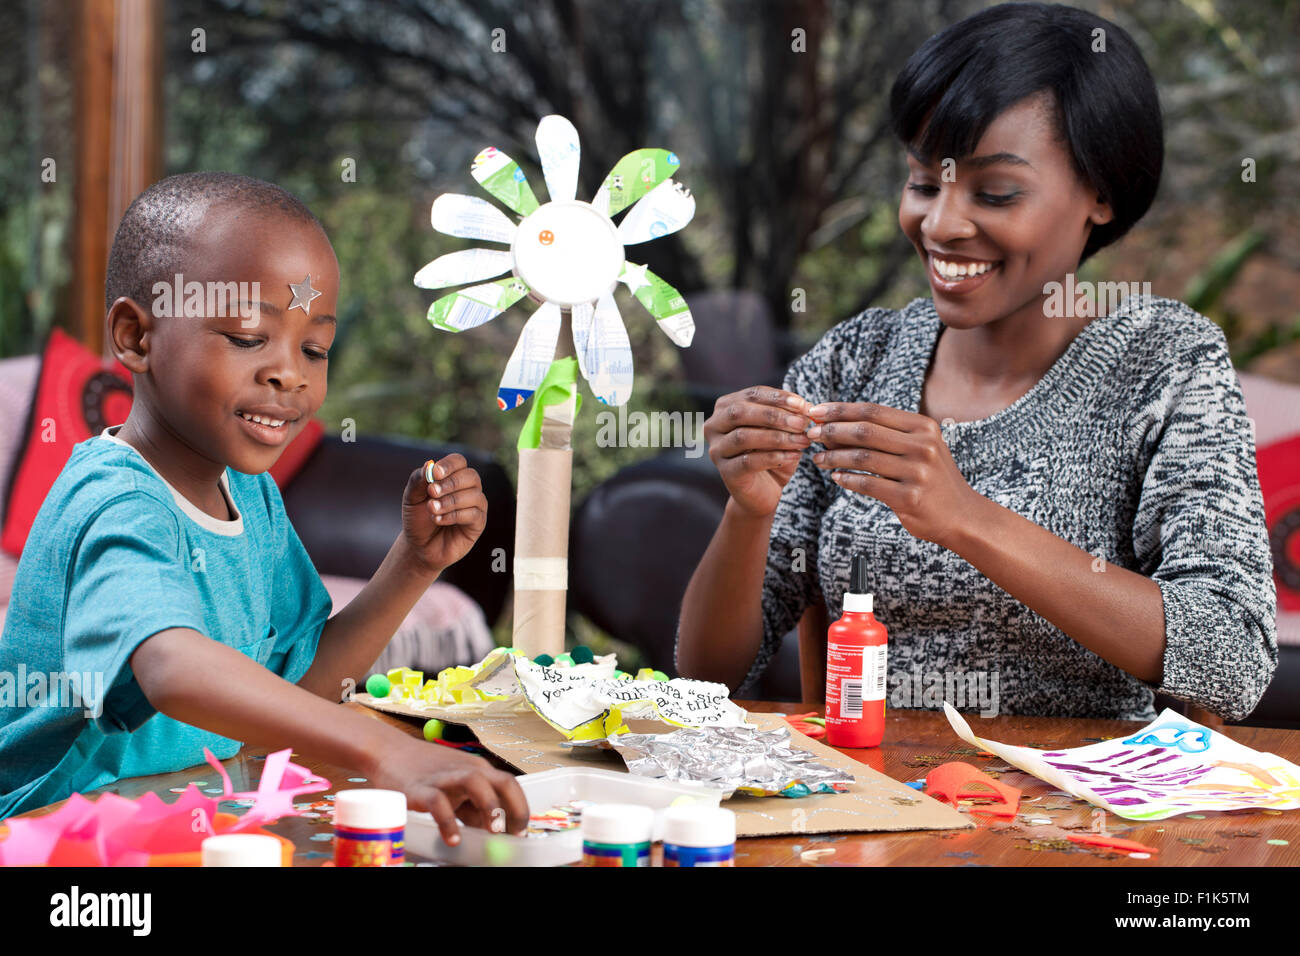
(449,784)
(442,518)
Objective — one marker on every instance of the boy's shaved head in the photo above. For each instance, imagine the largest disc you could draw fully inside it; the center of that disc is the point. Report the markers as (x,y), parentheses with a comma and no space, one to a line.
(152,240)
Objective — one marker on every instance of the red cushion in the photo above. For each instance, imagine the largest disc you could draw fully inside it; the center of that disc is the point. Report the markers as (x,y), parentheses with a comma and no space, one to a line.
(78,395)
(1279,481)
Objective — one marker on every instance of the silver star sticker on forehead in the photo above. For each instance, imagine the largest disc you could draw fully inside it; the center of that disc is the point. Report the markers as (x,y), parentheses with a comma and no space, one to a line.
(303,294)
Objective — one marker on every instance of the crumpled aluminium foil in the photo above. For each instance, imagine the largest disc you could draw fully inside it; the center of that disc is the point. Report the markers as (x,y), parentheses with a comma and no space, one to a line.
(759,762)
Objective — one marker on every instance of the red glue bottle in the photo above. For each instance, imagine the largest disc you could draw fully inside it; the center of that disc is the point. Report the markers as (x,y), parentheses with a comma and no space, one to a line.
(855,668)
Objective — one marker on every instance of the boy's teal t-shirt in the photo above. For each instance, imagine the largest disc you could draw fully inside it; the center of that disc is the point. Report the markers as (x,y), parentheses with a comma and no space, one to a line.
(115,556)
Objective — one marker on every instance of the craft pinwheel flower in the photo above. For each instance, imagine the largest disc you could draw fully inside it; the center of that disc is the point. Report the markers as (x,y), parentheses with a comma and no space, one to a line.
(567,254)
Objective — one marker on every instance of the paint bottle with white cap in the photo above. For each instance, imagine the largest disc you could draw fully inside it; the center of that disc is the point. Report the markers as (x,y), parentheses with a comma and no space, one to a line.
(242,849)
(855,668)
(369,828)
(699,836)
(617,834)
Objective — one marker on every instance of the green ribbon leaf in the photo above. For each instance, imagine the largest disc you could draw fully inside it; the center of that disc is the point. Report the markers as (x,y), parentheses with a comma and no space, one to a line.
(560,382)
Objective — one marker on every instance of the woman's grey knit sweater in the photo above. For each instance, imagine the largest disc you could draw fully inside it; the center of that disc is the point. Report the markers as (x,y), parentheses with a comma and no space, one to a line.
(1134,446)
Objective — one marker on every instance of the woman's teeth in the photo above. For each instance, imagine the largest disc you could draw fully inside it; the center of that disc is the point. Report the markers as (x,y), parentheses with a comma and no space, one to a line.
(961,270)
(262,419)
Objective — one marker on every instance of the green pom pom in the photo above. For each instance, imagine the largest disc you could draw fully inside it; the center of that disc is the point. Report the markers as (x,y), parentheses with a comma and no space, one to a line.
(660,675)
(622,675)
(582,654)
(499,851)
(565,659)
(433,730)
(377,685)
(546,660)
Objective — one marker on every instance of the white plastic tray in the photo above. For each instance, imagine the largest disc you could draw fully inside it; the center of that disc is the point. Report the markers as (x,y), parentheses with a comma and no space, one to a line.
(544,790)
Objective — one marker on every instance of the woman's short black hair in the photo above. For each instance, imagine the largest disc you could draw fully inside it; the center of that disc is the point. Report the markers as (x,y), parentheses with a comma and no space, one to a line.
(1107,108)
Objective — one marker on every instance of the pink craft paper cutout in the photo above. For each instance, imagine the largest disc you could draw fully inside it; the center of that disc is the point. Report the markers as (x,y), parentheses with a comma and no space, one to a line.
(115,831)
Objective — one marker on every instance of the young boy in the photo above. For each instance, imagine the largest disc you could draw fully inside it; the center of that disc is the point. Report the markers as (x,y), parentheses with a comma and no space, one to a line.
(162,559)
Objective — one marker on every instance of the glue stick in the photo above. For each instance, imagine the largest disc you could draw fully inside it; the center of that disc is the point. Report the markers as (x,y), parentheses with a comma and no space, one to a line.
(369,828)
(617,834)
(699,836)
(855,668)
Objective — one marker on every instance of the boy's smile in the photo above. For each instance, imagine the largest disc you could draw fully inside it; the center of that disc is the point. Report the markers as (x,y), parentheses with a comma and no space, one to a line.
(233,388)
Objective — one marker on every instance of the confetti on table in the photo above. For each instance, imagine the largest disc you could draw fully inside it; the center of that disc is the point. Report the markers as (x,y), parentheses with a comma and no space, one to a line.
(356,779)
(564,816)
(1139,856)
(322,837)
(1279,842)
(1196,816)
(813,856)
(1046,843)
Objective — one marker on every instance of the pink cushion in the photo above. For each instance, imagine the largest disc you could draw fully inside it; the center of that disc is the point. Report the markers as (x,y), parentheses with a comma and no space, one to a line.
(17,383)
(1288,628)
(445,628)
(1274,409)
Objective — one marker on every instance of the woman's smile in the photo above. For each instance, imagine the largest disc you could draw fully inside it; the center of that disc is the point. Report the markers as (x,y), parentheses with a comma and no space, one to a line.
(959,275)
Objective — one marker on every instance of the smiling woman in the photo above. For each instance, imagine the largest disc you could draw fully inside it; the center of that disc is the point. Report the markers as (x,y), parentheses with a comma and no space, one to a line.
(1085,528)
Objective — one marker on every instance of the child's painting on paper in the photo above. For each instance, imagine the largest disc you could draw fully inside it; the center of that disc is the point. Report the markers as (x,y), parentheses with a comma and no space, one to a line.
(1171,766)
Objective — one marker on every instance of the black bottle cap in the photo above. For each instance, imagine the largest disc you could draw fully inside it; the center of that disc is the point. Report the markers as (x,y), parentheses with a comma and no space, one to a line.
(858,575)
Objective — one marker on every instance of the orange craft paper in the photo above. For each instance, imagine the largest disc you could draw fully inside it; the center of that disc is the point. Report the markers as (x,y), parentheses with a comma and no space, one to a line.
(114,831)
(955,780)
(1118,843)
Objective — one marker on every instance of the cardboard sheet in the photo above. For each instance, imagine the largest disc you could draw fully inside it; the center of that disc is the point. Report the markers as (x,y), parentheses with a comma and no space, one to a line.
(875,803)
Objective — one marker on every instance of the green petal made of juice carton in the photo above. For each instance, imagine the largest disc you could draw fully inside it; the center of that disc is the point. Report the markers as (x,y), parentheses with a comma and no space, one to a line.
(470,308)
(662,301)
(632,177)
(501,176)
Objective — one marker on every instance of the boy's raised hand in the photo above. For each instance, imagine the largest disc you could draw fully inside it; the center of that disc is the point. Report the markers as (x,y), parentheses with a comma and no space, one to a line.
(443,511)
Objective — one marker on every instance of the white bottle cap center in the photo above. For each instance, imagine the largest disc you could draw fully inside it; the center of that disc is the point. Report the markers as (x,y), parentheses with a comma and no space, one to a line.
(568,253)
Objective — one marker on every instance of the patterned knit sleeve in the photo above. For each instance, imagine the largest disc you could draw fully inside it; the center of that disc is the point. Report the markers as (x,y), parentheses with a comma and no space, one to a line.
(1199,533)
(790,582)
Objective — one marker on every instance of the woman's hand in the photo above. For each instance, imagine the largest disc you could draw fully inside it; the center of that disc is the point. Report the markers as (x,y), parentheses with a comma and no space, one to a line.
(755,439)
(911,469)
(442,518)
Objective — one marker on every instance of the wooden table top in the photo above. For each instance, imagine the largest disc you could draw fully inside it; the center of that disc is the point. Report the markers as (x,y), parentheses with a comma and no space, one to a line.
(914,740)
